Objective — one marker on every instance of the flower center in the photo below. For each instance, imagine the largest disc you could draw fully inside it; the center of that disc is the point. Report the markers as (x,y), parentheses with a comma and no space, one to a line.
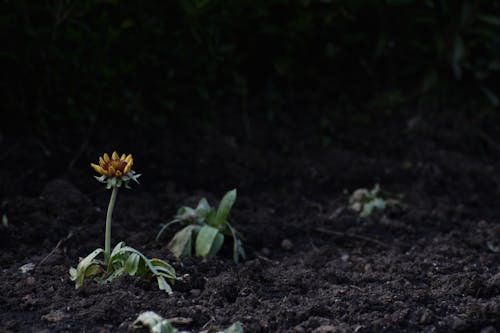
(115,167)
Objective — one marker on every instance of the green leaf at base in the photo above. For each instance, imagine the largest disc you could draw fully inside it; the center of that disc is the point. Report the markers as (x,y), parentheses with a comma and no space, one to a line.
(163,228)
(180,245)
(154,322)
(124,259)
(86,267)
(225,207)
(237,327)
(209,241)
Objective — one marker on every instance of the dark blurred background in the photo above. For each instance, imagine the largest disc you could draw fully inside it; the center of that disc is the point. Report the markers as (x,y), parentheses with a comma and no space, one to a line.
(149,63)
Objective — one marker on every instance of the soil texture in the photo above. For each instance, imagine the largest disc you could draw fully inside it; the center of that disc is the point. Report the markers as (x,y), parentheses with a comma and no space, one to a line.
(426,264)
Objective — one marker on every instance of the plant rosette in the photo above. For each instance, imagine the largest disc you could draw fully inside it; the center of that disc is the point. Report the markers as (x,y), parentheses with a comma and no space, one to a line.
(116,171)
(204,229)
(157,324)
(365,202)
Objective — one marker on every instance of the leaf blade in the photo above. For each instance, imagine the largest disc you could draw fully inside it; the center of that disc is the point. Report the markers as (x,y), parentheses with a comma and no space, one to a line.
(208,241)
(225,206)
(168,224)
(79,275)
(180,245)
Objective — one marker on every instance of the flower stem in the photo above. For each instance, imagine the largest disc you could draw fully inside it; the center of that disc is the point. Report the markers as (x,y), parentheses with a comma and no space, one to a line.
(107,239)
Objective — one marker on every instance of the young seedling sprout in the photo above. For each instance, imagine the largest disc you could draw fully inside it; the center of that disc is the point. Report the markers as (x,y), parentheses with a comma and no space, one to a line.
(365,202)
(157,324)
(116,171)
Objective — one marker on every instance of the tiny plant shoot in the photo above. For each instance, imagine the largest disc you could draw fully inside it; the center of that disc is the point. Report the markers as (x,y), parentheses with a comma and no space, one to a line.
(204,229)
(157,324)
(154,322)
(365,201)
(116,171)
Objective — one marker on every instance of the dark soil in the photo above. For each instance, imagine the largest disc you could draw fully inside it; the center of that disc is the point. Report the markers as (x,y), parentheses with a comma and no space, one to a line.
(313,265)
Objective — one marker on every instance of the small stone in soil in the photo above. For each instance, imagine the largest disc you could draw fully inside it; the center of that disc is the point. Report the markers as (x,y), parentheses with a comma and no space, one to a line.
(195,292)
(265,251)
(30,281)
(488,329)
(287,244)
(54,316)
(27,268)
(329,329)
(180,320)
(494,281)
(299,329)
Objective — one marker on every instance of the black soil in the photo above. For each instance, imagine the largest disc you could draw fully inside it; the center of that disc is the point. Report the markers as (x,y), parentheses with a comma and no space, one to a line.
(312,266)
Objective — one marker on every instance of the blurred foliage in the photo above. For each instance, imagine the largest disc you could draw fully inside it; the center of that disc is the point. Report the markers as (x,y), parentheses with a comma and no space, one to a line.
(89,60)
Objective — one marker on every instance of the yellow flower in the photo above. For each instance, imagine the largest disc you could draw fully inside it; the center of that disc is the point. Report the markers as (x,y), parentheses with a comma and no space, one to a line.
(116,166)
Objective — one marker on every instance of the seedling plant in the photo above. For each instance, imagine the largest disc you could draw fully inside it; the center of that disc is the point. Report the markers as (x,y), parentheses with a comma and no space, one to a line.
(116,172)
(204,229)
(157,324)
(365,201)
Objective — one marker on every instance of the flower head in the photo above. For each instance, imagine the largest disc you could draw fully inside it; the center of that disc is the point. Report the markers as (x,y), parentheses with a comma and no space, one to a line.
(115,170)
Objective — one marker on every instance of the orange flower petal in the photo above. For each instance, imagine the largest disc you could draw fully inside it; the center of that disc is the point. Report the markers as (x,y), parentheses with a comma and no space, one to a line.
(111,170)
(101,161)
(115,155)
(106,157)
(129,159)
(118,173)
(99,169)
(127,168)
(123,157)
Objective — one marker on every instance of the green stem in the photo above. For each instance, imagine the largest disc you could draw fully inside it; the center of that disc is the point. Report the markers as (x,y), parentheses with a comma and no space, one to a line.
(107,239)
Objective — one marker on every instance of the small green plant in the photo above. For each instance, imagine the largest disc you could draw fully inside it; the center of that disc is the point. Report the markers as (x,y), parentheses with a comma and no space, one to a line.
(157,324)
(237,327)
(115,172)
(154,322)
(365,201)
(204,229)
